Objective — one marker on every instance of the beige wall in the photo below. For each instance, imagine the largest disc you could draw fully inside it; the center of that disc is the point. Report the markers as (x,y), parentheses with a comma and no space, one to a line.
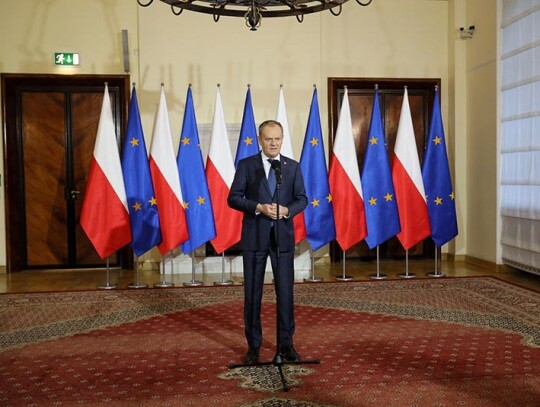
(390,38)
(482,141)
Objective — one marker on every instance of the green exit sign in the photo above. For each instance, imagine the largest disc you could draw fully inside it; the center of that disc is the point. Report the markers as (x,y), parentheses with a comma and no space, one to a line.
(66,59)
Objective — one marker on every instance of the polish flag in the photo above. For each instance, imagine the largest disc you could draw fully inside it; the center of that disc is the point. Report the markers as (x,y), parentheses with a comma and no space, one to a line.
(166,180)
(219,175)
(281,116)
(408,183)
(287,151)
(345,184)
(104,214)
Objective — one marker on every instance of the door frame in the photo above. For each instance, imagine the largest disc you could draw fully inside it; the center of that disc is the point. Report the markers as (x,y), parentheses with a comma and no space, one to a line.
(11,83)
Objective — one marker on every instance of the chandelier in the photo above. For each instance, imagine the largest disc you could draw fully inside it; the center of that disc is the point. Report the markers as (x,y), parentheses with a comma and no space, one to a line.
(254,10)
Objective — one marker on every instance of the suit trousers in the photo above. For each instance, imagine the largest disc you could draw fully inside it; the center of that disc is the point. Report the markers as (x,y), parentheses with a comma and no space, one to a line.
(254,262)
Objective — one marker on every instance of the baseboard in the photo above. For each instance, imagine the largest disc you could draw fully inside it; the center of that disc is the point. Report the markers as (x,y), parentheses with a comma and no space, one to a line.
(455,258)
(3,269)
(486,264)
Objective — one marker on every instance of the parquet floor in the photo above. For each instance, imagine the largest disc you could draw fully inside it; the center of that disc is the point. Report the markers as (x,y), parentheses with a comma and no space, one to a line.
(54,280)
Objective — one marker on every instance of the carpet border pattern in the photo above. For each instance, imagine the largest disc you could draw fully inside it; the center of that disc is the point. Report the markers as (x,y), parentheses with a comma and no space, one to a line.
(474,301)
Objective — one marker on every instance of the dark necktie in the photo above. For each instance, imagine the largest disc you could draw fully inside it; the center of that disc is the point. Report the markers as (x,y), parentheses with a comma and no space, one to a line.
(271,178)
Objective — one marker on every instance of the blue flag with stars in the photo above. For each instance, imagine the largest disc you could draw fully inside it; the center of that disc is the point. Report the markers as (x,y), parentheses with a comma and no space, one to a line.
(142,204)
(319,213)
(197,204)
(437,181)
(382,215)
(248,143)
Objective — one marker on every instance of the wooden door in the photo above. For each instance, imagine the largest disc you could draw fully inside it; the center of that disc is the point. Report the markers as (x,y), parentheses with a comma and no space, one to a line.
(51,123)
(361,91)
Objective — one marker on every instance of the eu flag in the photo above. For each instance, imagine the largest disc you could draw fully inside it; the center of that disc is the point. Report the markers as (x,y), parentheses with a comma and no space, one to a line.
(437,181)
(379,197)
(197,204)
(247,143)
(319,213)
(141,200)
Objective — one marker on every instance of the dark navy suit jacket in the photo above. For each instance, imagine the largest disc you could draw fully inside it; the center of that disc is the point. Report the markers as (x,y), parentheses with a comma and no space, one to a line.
(250,187)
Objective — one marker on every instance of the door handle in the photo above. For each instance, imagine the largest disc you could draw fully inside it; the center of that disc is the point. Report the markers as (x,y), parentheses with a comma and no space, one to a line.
(74,193)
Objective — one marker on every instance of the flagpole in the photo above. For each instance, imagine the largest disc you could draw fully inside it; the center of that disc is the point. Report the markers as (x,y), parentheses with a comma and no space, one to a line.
(407,274)
(436,273)
(378,276)
(312,278)
(163,283)
(193,282)
(107,285)
(223,281)
(137,283)
(344,277)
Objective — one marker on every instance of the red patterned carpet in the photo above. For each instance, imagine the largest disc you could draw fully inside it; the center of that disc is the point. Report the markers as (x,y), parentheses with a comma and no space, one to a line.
(445,342)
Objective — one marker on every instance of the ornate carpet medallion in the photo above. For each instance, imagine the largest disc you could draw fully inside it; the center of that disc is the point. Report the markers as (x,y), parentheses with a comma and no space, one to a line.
(266,378)
(282,402)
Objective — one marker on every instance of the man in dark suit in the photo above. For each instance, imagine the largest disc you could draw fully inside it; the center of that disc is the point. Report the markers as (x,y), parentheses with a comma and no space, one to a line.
(264,227)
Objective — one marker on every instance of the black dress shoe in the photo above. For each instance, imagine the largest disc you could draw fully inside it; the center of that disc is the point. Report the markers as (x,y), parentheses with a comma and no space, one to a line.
(290,354)
(252,356)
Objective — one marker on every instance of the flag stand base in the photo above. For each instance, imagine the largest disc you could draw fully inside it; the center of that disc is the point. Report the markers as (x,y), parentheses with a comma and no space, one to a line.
(344,277)
(135,285)
(436,273)
(378,275)
(223,280)
(193,283)
(107,285)
(407,274)
(312,278)
(163,284)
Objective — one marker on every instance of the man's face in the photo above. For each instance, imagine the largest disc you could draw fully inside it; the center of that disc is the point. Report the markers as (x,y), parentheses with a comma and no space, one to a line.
(270,140)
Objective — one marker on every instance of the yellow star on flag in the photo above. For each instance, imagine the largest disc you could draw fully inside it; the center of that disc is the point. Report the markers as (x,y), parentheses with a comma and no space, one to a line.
(186,205)
(137,206)
(329,198)
(134,142)
(248,141)
(438,201)
(372,201)
(185,141)
(200,200)
(314,142)
(388,197)
(437,140)
(451,196)
(153,201)
(315,202)
(373,140)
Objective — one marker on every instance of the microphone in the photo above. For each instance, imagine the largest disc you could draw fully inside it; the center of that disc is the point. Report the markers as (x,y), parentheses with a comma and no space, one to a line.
(276,166)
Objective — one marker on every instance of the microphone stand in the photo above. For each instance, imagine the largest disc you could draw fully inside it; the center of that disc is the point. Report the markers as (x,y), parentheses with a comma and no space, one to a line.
(278,360)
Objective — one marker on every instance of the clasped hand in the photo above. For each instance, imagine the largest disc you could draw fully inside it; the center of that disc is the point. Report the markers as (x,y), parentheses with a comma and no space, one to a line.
(271,210)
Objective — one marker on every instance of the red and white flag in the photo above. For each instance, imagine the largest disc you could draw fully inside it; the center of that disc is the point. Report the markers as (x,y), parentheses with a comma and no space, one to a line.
(408,183)
(345,183)
(166,180)
(281,116)
(104,215)
(287,150)
(219,175)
